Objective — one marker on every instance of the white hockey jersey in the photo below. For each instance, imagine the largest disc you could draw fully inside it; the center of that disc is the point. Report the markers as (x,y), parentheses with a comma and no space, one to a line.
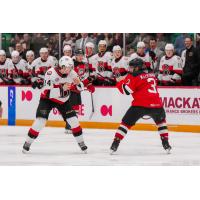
(119,66)
(53,82)
(146,59)
(102,65)
(18,71)
(90,60)
(170,70)
(4,67)
(42,66)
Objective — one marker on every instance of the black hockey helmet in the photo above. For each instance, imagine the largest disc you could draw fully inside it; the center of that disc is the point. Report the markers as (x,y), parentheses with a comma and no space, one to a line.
(79,52)
(137,62)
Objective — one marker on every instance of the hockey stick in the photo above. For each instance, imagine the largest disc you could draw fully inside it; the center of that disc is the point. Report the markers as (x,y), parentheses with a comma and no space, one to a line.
(92,101)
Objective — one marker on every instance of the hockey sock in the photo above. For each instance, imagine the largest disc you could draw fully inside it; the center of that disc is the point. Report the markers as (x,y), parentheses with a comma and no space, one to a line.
(162,129)
(76,129)
(37,126)
(122,131)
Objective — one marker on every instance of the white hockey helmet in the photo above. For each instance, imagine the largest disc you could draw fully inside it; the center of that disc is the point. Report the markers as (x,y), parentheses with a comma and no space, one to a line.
(44,50)
(2,52)
(30,53)
(90,45)
(67,48)
(103,42)
(116,48)
(66,61)
(14,54)
(140,45)
(169,47)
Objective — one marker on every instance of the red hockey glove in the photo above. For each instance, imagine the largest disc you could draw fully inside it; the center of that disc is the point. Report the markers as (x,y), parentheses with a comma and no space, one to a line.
(91,88)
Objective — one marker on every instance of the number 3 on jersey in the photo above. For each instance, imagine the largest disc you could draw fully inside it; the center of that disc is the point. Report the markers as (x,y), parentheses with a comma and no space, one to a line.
(152,89)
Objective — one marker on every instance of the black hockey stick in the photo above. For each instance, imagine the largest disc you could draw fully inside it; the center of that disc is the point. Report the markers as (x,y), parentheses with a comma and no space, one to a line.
(92,101)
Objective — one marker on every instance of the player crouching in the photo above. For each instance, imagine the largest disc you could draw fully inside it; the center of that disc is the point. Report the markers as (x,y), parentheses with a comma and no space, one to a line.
(55,94)
(143,88)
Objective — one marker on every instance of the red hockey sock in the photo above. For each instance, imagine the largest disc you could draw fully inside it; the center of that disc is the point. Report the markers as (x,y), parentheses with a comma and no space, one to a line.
(122,131)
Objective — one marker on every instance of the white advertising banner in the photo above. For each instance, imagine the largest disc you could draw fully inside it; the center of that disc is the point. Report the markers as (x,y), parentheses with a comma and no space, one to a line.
(182,105)
(4,100)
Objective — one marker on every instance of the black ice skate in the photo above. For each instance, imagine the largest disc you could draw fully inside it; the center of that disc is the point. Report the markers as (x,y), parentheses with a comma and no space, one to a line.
(166,145)
(114,145)
(83,147)
(26,147)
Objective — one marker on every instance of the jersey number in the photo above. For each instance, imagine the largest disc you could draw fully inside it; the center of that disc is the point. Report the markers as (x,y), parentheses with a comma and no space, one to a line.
(48,82)
(152,89)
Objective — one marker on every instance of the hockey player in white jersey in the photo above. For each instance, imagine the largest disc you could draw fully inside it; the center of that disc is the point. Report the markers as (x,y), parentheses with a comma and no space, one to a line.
(41,65)
(102,65)
(18,70)
(144,56)
(119,63)
(90,58)
(5,64)
(55,94)
(30,56)
(67,50)
(171,68)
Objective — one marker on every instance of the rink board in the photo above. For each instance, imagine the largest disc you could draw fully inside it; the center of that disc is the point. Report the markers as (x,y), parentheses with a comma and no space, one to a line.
(182,105)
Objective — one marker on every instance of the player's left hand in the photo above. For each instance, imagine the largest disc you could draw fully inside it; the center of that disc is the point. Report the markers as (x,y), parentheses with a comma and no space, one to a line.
(91,88)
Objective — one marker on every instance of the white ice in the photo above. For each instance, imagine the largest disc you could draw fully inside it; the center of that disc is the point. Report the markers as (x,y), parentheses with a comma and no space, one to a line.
(54,147)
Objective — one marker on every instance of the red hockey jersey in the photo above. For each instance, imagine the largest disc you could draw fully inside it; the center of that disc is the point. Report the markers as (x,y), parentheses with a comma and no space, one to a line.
(143,89)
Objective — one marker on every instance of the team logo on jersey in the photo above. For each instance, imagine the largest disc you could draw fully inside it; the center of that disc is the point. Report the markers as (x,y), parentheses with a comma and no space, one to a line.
(57,79)
(165,69)
(116,72)
(101,66)
(3,73)
(81,71)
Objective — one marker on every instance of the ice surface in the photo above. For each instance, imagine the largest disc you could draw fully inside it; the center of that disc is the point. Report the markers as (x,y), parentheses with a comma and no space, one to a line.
(54,147)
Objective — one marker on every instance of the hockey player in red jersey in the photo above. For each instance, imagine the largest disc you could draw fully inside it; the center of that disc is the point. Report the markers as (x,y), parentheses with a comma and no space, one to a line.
(58,82)
(142,86)
(82,69)
(171,67)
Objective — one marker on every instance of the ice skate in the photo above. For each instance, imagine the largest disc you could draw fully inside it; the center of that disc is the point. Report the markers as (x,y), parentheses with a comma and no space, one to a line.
(83,147)
(114,145)
(26,147)
(166,145)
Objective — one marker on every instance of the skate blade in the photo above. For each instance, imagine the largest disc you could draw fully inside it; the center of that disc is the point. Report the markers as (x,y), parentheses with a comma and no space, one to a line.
(112,152)
(85,151)
(24,151)
(168,151)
